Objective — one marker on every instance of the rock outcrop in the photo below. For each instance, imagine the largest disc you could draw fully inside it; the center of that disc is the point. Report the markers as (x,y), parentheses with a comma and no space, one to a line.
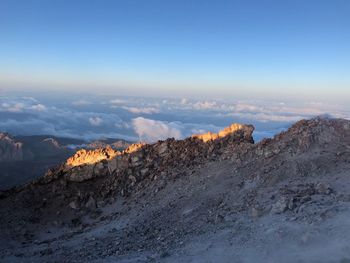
(87,157)
(210,136)
(10,150)
(139,160)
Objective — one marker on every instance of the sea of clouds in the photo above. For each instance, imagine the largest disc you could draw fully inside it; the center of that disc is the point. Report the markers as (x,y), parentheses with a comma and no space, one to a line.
(93,117)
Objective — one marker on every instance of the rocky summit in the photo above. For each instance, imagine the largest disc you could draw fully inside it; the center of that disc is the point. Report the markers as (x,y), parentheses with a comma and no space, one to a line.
(208,198)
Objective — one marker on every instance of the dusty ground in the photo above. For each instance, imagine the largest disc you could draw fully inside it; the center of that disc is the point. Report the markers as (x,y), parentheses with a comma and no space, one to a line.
(285,200)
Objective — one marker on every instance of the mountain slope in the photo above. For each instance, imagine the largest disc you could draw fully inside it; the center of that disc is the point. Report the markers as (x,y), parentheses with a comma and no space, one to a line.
(284,199)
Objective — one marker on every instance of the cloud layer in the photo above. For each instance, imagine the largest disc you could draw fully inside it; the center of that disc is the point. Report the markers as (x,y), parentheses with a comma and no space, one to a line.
(150,119)
(151,130)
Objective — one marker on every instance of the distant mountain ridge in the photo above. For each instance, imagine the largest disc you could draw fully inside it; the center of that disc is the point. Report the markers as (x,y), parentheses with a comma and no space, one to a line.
(23,158)
(10,149)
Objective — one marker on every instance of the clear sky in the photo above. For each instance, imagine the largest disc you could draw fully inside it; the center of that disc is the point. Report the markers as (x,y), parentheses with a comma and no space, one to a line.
(227,48)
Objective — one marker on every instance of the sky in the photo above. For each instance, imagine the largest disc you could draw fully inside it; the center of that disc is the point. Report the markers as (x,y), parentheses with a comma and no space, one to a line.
(149,70)
(292,49)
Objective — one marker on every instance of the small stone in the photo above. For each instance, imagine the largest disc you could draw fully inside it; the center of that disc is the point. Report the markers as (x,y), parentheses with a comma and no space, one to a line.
(100,203)
(136,161)
(256,212)
(74,205)
(144,171)
(280,206)
(132,179)
(162,149)
(91,203)
(323,189)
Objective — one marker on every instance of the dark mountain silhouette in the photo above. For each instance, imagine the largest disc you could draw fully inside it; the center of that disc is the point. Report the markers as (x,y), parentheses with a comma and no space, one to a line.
(23,158)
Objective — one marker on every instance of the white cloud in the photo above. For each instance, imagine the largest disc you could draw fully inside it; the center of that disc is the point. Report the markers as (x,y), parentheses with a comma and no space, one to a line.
(95,121)
(20,104)
(180,117)
(122,125)
(117,101)
(38,107)
(246,107)
(184,101)
(145,110)
(152,130)
(13,107)
(205,105)
(81,102)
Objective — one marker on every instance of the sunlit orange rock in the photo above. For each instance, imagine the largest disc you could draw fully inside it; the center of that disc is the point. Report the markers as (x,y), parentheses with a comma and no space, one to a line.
(210,136)
(91,156)
(134,147)
(83,157)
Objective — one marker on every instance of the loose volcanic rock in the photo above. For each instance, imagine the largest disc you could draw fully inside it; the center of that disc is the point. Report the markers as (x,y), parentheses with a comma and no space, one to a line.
(211,194)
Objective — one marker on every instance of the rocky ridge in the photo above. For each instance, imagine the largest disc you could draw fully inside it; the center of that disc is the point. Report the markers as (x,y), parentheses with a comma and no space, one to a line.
(122,170)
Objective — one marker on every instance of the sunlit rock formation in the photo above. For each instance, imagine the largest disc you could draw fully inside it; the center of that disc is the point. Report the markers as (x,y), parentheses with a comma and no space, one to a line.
(209,136)
(86,157)
(91,156)
(139,160)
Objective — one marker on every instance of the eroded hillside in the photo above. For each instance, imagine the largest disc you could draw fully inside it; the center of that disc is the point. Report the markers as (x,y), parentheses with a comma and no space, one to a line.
(216,198)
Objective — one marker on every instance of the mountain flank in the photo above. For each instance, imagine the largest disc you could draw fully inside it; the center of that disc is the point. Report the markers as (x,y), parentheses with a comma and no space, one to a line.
(208,198)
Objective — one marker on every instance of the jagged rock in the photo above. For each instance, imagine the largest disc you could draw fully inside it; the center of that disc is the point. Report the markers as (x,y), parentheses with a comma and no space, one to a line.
(10,150)
(132,179)
(80,173)
(136,161)
(83,157)
(232,129)
(85,165)
(112,165)
(162,148)
(101,168)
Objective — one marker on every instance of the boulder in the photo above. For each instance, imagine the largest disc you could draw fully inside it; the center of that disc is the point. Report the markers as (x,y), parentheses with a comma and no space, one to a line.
(280,206)
(91,203)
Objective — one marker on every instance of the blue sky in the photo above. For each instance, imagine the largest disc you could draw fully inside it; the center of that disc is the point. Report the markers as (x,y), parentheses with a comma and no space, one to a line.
(297,49)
